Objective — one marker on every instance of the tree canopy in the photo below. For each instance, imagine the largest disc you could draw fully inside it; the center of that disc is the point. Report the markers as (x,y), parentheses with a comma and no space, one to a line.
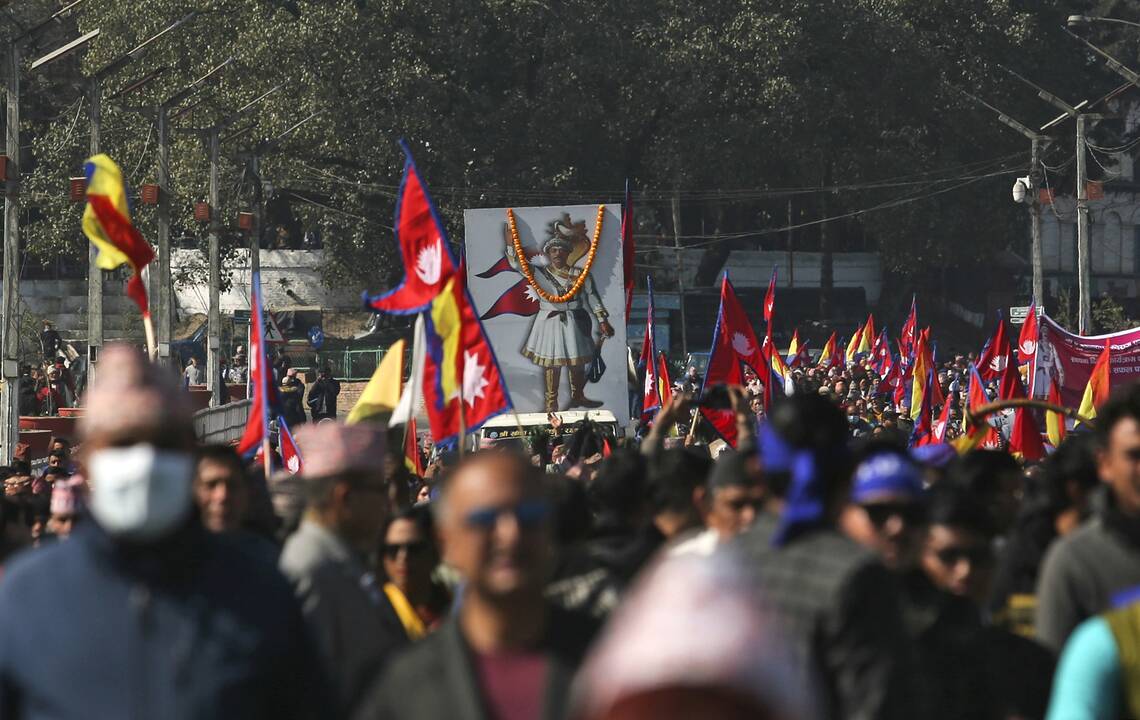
(846,109)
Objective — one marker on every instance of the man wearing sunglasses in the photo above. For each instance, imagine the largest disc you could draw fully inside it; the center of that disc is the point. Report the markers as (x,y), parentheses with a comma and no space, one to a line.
(354,628)
(507,653)
(886,512)
(732,503)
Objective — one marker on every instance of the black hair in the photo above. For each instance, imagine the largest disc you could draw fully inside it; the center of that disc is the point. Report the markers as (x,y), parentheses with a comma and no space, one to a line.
(420,515)
(571,509)
(977,472)
(618,489)
(954,506)
(1123,404)
(223,455)
(673,476)
(1073,462)
(812,422)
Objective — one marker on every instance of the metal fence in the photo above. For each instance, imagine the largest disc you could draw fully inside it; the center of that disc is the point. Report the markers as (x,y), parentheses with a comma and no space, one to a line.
(222,424)
(347,365)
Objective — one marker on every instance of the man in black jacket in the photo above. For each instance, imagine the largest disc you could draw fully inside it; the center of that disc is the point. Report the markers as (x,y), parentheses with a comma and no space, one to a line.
(836,603)
(142,613)
(322,395)
(507,648)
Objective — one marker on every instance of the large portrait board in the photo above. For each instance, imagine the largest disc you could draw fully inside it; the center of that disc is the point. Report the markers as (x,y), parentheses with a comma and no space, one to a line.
(549,348)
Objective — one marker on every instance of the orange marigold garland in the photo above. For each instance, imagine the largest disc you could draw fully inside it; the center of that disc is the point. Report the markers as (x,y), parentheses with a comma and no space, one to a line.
(528,273)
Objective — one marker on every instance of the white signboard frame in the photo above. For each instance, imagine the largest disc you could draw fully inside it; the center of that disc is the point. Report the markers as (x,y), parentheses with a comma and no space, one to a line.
(493,283)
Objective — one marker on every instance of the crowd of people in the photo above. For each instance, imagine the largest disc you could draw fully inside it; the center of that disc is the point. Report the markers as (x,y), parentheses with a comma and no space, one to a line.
(819,569)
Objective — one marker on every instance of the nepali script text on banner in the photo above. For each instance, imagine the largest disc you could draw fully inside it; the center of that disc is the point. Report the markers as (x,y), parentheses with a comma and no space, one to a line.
(1070,359)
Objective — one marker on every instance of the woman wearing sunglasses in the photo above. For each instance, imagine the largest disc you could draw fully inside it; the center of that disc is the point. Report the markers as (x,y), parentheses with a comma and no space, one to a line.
(409,556)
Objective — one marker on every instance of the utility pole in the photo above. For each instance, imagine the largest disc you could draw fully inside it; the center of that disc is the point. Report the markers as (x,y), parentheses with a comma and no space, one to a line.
(213,139)
(791,253)
(1035,219)
(258,213)
(1084,280)
(94,273)
(10,426)
(680,271)
(163,279)
(1037,143)
(10,297)
(214,341)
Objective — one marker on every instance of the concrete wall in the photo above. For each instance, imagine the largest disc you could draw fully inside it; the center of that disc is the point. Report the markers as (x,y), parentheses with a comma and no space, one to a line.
(65,303)
(289,278)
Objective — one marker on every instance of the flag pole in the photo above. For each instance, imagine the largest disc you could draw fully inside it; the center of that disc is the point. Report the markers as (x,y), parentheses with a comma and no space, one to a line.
(693,424)
(266,464)
(148,328)
(462,421)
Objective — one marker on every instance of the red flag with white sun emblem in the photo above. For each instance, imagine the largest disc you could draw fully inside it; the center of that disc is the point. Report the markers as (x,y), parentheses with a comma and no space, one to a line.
(519,299)
(456,338)
(734,346)
(423,248)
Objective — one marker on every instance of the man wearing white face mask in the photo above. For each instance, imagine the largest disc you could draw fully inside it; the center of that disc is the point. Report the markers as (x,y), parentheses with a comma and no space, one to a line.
(147,615)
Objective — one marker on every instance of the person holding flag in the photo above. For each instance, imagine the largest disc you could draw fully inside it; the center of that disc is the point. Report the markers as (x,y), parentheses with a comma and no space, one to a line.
(651,394)
(734,347)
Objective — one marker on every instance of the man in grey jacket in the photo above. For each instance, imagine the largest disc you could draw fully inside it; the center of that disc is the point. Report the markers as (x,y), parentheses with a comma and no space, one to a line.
(1083,571)
(354,629)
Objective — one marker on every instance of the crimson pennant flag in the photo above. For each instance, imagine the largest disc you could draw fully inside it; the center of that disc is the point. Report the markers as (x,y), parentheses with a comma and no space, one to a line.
(651,393)
(985,436)
(1025,435)
(290,455)
(459,362)
(923,433)
(909,335)
(501,266)
(423,248)
(830,354)
(891,383)
(1027,342)
(519,299)
(881,354)
(263,389)
(734,346)
(627,247)
(665,387)
(995,355)
(770,301)
(942,423)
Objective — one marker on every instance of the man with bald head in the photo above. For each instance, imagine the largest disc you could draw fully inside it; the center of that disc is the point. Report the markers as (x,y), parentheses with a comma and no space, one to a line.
(142,613)
(506,653)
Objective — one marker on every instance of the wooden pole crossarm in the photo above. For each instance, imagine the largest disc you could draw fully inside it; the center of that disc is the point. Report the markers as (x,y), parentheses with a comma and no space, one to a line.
(978,415)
